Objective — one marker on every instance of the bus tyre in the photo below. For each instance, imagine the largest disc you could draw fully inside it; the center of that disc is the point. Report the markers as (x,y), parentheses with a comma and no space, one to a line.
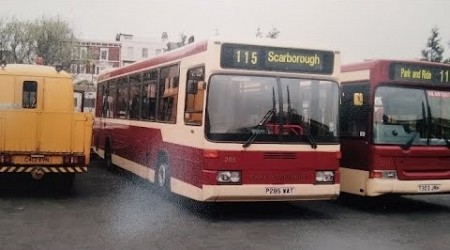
(163,176)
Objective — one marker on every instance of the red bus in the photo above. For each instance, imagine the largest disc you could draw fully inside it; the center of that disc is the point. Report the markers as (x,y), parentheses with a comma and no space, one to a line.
(223,120)
(395,128)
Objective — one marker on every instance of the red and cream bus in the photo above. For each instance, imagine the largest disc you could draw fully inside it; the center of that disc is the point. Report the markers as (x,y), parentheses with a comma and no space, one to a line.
(226,121)
(395,128)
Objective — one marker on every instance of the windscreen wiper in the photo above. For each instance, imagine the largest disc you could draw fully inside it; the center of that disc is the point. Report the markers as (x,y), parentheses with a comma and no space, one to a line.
(259,129)
(430,124)
(408,144)
(311,140)
(447,142)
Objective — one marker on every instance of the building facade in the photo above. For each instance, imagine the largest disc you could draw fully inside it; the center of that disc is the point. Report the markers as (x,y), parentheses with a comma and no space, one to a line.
(136,49)
(90,58)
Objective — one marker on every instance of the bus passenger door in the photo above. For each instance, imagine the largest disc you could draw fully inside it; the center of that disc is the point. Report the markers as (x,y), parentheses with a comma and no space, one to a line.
(355,129)
(355,133)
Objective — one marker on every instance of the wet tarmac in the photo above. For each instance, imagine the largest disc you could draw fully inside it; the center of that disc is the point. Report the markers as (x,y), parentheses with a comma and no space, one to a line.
(115,210)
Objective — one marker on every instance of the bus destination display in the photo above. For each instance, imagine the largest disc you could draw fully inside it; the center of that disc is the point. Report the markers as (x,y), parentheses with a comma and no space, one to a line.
(238,56)
(411,72)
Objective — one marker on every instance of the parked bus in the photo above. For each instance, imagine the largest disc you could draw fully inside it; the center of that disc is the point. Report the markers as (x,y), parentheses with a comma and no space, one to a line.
(223,120)
(40,134)
(395,128)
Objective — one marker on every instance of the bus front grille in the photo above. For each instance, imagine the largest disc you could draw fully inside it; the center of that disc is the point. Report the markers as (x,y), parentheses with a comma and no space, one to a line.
(280,156)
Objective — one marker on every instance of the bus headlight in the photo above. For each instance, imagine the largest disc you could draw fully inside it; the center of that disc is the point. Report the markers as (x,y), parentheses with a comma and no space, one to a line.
(324,177)
(383,174)
(228,177)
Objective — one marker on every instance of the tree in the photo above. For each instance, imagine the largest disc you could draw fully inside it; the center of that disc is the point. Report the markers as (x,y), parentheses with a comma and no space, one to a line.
(21,42)
(183,39)
(24,41)
(433,51)
(259,33)
(273,33)
(3,39)
(15,42)
(191,39)
(54,41)
(448,59)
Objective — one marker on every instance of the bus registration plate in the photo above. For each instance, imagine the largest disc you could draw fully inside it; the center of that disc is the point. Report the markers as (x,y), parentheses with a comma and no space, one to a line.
(428,188)
(279,190)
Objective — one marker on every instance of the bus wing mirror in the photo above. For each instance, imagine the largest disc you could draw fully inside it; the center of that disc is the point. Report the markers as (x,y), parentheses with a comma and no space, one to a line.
(192,87)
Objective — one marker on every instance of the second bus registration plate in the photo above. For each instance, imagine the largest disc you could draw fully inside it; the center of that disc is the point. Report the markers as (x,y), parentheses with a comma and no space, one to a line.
(428,188)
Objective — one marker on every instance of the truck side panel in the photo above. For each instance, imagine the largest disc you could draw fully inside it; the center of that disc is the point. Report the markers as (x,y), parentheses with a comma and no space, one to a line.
(55,132)
(82,134)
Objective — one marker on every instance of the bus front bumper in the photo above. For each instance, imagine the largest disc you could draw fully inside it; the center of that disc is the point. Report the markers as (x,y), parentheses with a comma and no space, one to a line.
(377,187)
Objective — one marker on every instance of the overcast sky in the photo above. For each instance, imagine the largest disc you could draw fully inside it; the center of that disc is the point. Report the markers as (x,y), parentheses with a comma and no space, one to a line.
(360,29)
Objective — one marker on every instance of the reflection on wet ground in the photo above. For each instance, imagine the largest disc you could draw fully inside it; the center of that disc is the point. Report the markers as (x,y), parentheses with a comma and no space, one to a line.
(391,204)
(116,210)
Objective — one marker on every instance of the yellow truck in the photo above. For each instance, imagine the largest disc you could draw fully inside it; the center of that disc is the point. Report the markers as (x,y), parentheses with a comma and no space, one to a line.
(41,134)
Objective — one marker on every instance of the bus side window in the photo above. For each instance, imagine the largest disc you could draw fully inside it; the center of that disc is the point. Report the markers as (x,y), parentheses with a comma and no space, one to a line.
(103,101)
(168,94)
(195,89)
(135,96)
(29,94)
(111,96)
(122,98)
(148,95)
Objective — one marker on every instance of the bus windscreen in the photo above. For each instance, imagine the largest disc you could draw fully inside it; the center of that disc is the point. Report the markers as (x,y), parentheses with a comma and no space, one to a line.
(252,57)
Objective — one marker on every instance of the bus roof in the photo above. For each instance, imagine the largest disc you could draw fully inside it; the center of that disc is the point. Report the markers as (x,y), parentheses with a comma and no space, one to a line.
(192,49)
(370,64)
(33,70)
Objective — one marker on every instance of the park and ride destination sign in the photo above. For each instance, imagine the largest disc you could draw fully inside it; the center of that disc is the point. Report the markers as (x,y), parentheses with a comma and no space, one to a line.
(416,72)
(253,57)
